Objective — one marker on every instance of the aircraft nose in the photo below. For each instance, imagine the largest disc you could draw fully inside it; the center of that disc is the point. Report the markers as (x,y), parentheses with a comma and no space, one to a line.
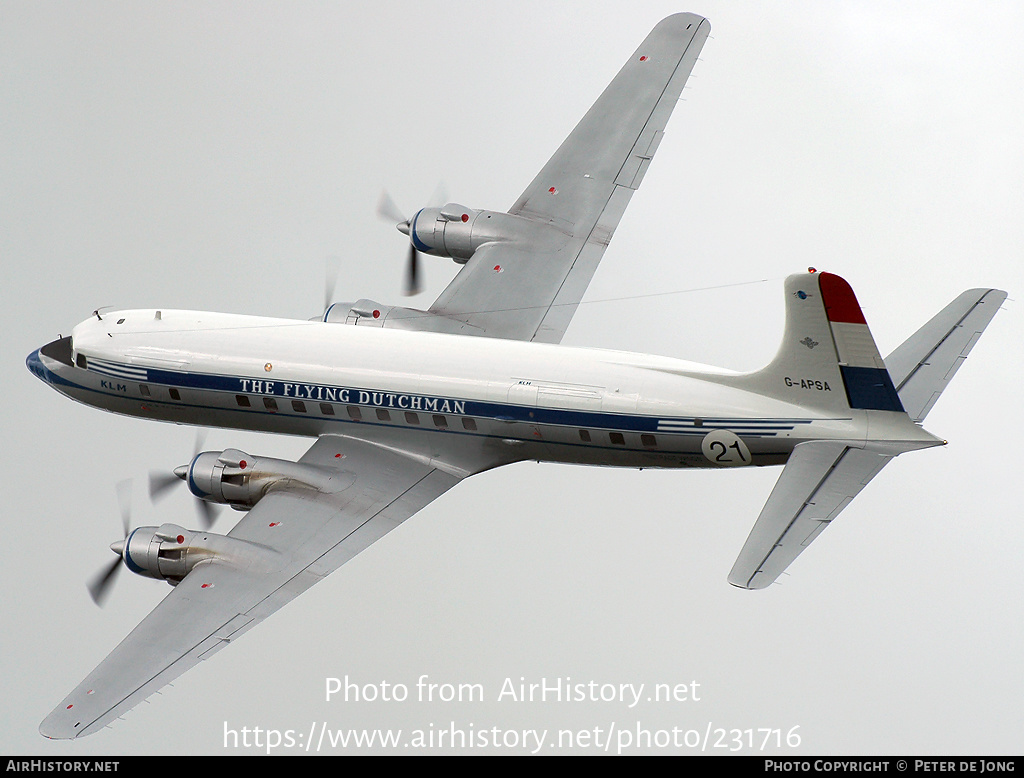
(35,365)
(52,363)
(56,350)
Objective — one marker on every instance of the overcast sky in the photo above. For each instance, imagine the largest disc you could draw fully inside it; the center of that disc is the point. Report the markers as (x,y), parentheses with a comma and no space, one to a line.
(218,156)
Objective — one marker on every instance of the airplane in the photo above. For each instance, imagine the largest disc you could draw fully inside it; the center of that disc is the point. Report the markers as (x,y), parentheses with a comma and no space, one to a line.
(403,404)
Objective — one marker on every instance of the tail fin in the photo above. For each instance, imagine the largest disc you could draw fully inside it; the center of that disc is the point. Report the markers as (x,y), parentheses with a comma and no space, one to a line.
(828,359)
(822,477)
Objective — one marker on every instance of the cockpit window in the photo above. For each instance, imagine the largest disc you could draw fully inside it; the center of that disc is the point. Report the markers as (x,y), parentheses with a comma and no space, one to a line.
(60,350)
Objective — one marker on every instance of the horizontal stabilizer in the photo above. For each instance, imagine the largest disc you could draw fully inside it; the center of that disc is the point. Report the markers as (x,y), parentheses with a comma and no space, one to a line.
(819,480)
(926,362)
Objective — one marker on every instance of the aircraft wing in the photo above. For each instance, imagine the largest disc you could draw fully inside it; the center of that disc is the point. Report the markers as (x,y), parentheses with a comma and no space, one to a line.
(819,480)
(305,534)
(582,192)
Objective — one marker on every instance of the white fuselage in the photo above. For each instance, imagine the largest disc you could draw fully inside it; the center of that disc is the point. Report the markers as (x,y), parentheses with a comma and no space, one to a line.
(497,400)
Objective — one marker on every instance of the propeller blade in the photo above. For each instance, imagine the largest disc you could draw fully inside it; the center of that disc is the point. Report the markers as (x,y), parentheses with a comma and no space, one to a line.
(160,483)
(412,283)
(200,441)
(207,511)
(124,502)
(387,209)
(439,196)
(101,582)
(330,281)
(99,587)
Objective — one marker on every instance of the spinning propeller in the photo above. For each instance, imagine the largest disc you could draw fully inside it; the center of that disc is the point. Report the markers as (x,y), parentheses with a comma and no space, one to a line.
(387,209)
(330,281)
(161,482)
(100,585)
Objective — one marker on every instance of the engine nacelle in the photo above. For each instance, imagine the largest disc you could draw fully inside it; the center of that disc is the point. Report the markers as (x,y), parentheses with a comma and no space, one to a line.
(456,231)
(366,312)
(235,478)
(169,552)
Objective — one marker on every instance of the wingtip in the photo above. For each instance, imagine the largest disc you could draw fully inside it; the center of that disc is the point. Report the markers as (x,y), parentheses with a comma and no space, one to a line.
(63,723)
(684,20)
(747,587)
(49,731)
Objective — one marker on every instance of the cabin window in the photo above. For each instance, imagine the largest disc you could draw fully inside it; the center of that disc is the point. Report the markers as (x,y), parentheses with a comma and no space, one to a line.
(270,403)
(469,424)
(440,422)
(80,361)
(144,390)
(326,409)
(617,439)
(649,440)
(411,418)
(585,436)
(243,401)
(298,406)
(383,415)
(354,413)
(175,395)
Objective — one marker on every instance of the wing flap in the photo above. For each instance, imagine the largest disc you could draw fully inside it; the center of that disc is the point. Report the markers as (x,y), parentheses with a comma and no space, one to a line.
(819,481)
(556,317)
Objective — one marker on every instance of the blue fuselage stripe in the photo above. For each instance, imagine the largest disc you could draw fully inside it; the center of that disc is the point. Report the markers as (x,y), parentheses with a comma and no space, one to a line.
(399,401)
(370,400)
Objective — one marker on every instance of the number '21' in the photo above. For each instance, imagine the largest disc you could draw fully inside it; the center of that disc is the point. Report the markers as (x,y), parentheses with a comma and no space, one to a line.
(723,453)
